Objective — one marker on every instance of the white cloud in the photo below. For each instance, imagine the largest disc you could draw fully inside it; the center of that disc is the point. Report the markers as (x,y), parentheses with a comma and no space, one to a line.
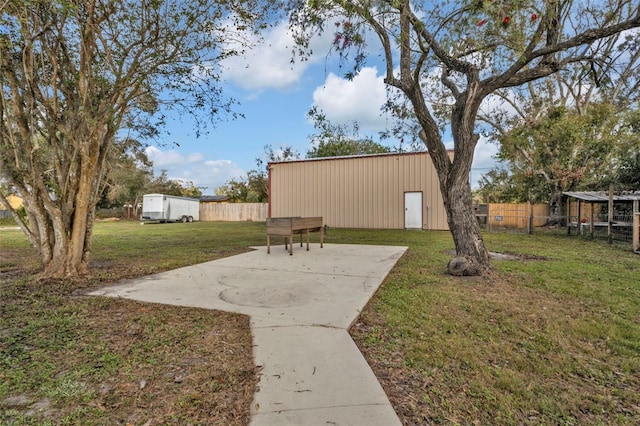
(194,167)
(195,157)
(483,160)
(344,101)
(163,158)
(268,65)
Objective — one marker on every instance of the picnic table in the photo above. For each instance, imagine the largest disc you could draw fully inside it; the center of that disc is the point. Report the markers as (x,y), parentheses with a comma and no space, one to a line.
(287,227)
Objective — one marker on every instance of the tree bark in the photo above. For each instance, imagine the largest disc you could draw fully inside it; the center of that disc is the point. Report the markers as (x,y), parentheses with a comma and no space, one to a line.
(453,174)
(465,229)
(64,234)
(456,188)
(458,202)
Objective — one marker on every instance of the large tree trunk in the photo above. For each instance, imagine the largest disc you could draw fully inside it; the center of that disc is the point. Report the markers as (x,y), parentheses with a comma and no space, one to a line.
(59,224)
(472,257)
(72,241)
(61,229)
(67,260)
(465,231)
(456,188)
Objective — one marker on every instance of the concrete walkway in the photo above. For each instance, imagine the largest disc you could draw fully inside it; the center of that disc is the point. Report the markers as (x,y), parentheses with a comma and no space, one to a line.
(301,308)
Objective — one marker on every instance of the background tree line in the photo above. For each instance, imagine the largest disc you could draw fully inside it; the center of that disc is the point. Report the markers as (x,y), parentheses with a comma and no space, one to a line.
(130,175)
(578,130)
(329,140)
(76,74)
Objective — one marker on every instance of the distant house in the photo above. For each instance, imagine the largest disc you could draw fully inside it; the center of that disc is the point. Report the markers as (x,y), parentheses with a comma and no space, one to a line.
(14,201)
(384,191)
(214,199)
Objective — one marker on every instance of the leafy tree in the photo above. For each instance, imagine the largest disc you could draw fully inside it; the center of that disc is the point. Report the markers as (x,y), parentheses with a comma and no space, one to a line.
(254,188)
(336,140)
(474,49)
(566,151)
(500,186)
(340,147)
(163,185)
(189,189)
(628,176)
(74,73)
(572,130)
(251,189)
(129,172)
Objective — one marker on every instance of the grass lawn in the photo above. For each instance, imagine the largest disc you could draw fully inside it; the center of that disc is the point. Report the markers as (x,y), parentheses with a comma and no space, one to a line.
(550,337)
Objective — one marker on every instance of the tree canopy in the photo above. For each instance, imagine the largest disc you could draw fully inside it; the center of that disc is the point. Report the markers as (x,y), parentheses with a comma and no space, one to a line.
(566,151)
(333,140)
(570,131)
(76,73)
(128,172)
(445,59)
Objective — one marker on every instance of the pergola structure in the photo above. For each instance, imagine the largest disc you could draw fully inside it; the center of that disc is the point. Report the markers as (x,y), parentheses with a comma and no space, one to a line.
(610,198)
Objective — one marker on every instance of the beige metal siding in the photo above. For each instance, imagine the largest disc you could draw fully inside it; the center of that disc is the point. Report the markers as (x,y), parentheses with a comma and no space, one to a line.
(357,192)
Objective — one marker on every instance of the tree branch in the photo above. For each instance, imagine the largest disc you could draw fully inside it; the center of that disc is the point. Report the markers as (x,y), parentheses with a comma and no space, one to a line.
(517,75)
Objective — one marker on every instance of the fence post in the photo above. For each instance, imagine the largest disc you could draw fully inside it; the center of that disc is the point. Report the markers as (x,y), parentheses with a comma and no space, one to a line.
(610,227)
(489,217)
(568,215)
(636,226)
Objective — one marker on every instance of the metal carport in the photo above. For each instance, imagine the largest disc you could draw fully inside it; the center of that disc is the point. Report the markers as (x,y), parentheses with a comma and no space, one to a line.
(610,198)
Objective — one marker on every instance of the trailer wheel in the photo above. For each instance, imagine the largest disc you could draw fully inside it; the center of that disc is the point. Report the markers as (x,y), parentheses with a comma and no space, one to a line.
(190,219)
(183,219)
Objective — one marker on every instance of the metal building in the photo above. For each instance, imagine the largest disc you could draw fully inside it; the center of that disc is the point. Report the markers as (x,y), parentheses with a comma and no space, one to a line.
(383,191)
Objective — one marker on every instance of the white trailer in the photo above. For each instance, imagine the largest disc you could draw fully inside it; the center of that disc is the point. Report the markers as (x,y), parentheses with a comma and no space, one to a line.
(169,208)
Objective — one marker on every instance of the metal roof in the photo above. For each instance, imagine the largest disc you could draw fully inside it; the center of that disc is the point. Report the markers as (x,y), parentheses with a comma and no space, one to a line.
(213,198)
(603,196)
(347,157)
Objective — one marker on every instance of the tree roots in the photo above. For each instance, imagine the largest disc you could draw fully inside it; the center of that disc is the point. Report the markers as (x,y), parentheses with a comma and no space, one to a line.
(462,266)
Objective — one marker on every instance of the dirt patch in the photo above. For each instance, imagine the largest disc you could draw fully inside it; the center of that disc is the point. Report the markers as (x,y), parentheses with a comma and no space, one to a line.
(515,256)
(506,256)
(90,360)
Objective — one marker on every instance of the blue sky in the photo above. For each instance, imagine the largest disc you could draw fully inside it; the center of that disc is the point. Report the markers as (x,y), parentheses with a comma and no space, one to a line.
(275,97)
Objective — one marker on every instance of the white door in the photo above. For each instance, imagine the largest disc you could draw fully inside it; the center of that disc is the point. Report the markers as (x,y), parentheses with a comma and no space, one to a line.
(413,210)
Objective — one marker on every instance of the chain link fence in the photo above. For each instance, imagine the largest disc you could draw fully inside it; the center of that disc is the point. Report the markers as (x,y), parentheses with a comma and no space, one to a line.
(535,219)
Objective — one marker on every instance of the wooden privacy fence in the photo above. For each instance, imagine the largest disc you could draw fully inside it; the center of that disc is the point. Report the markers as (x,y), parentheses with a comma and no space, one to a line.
(234,212)
(584,211)
(521,217)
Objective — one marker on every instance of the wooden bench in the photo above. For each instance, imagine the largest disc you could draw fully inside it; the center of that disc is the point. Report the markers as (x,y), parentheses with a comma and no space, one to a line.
(287,227)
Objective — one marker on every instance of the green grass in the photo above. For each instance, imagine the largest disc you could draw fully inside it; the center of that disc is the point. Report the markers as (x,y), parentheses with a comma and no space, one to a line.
(7,221)
(168,246)
(552,337)
(70,359)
